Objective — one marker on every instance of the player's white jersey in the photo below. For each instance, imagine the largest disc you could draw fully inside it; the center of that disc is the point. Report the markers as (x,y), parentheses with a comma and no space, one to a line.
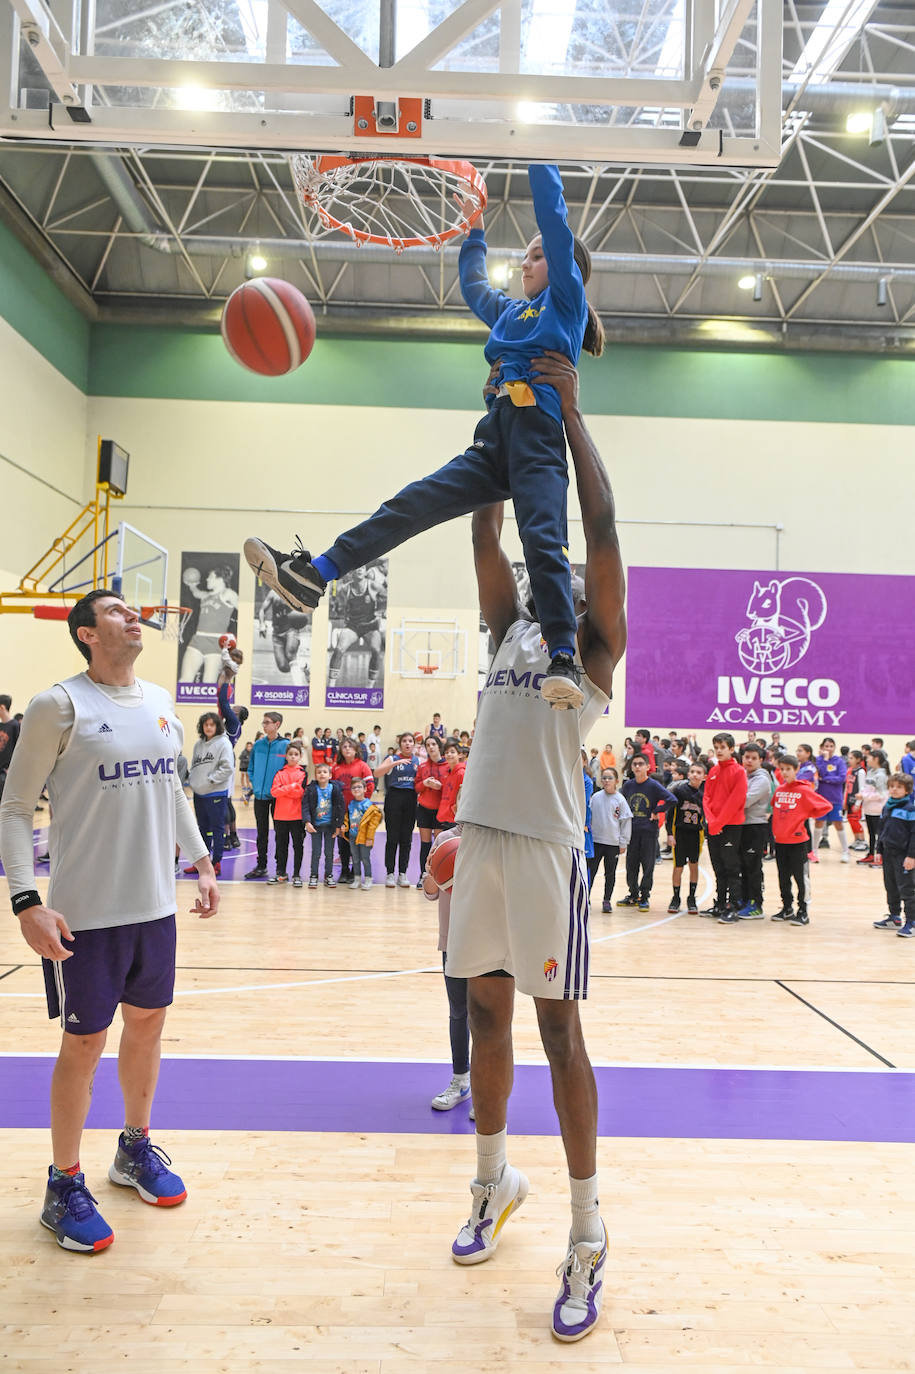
(112,794)
(524,773)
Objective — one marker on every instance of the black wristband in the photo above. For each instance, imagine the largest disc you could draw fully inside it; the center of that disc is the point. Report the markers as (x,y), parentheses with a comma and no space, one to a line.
(23,900)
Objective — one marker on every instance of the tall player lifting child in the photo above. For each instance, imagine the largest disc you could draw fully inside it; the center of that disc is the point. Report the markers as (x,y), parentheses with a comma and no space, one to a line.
(518,448)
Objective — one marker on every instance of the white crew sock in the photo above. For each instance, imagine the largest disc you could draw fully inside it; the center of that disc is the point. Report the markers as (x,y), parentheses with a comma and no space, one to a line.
(586,1222)
(843,839)
(491,1156)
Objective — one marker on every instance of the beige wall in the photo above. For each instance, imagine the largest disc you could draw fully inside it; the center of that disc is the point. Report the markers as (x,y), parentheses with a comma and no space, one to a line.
(204,475)
(42,442)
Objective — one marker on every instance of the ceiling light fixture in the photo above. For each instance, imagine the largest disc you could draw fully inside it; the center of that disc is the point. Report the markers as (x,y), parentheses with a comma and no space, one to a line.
(859,122)
(748,282)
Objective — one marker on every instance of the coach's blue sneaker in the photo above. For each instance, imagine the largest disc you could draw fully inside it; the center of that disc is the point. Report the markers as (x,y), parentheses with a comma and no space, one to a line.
(493,1204)
(889,922)
(292,576)
(906,932)
(69,1211)
(750,912)
(577,1308)
(143,1166)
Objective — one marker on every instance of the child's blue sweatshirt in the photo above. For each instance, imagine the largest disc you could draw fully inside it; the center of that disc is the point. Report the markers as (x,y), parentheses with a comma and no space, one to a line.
(556,318)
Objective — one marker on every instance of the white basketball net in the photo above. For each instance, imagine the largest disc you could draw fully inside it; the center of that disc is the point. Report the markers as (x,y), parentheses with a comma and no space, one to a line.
(173,618)
(398,202)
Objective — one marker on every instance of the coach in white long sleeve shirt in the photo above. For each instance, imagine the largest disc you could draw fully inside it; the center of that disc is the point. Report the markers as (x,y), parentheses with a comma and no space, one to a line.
(108,745)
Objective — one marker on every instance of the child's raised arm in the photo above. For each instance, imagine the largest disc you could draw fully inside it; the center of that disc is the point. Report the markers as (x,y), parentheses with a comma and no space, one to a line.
(567,290)
(486,303)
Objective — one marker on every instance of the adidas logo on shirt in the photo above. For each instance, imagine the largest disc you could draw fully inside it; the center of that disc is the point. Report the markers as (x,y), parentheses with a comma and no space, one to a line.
(105,729)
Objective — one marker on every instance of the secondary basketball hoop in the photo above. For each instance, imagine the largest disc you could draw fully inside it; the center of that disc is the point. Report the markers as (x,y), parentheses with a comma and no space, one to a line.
(428,668)
(171,620)
(398,202)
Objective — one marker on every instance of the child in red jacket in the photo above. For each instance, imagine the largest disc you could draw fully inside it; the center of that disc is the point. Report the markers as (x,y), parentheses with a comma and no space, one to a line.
(451,784)
(287,787)
(723,803)
(793,804)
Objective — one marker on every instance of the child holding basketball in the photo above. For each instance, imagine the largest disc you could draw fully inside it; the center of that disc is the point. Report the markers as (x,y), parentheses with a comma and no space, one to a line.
(518,448)
(458,1090)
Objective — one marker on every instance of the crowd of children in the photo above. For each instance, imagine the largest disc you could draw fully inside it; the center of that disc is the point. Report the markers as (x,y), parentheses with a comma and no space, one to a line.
(421,776)
(751,803)
(668,799)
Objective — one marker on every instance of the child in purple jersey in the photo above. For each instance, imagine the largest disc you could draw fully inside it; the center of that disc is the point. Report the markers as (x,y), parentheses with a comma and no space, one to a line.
(518,448)
(831,771)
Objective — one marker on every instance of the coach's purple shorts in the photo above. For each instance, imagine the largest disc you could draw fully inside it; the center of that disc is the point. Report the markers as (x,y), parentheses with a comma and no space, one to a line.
(133,964)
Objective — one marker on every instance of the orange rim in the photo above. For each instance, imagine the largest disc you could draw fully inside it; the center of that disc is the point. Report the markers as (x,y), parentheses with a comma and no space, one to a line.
(327,164)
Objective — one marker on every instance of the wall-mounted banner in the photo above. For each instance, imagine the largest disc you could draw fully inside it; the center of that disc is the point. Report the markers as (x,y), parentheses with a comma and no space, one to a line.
(358,610)
(281,655)
(781,650)
(209,585)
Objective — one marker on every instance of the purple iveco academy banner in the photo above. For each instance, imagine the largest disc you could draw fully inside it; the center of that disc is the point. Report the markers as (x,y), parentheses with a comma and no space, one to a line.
(779,649)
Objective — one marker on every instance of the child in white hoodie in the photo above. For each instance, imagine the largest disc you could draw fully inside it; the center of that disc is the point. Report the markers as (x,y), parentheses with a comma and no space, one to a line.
(611,827)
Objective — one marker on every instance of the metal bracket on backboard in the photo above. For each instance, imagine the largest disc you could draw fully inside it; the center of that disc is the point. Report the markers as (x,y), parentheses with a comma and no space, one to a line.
(402,117)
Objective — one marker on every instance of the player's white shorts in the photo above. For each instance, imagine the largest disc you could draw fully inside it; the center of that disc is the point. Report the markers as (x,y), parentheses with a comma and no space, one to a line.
(521,905)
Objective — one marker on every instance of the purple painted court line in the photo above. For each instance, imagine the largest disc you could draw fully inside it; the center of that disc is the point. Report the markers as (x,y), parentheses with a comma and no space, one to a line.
(347,1095)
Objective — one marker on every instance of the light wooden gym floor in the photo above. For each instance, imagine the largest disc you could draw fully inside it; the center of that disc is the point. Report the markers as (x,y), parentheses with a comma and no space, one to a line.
(331,1247)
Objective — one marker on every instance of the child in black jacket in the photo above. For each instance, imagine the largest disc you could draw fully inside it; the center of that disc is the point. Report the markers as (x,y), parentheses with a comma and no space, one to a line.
(323,813)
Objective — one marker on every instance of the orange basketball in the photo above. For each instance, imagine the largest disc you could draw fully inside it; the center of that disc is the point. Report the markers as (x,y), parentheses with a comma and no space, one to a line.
(441,861)
(268,326)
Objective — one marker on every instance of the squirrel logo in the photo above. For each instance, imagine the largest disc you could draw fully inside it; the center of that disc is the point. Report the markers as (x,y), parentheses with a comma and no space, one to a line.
(782,616)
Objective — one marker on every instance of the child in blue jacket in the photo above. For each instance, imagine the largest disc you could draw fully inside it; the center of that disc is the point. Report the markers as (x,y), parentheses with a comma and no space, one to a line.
(518,447)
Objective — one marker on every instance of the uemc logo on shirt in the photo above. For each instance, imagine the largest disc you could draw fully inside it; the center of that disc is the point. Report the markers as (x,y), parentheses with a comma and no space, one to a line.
(529,680)
(131,772)
(783,615)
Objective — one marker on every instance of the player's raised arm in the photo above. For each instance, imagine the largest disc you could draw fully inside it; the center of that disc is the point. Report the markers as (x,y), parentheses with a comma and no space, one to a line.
(603,632)
(496,584)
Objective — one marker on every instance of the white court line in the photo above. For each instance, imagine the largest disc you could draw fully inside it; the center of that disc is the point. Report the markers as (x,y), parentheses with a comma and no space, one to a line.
(394,973)
(528,1063)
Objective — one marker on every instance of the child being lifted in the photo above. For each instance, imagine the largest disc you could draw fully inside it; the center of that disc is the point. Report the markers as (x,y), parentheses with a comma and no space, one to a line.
(518,447)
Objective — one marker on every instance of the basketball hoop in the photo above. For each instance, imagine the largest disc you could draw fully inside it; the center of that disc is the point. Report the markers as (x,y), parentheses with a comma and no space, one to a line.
(172,620)
(428,668)
(398,202)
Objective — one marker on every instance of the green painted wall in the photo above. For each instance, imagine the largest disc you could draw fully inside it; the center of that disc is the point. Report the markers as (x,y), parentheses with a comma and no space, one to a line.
(122,360)
(36,309)
(189,365)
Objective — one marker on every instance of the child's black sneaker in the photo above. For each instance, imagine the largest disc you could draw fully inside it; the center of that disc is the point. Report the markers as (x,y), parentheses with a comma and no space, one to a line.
(292,576)
(673,905)
(561,686)
(628,900)
(800,918)
(786,914)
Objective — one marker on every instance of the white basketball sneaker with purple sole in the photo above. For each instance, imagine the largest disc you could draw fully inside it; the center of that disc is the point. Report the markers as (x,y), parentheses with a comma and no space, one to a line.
(493,1204)
(577,1306)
